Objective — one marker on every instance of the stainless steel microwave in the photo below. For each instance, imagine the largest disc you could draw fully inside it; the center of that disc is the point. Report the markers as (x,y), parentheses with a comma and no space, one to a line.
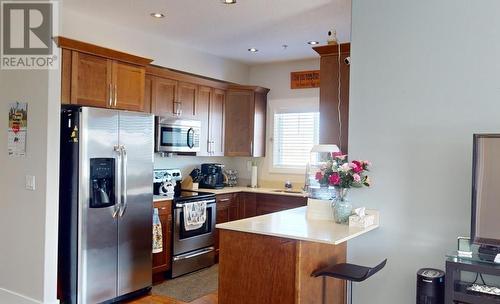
(177,135)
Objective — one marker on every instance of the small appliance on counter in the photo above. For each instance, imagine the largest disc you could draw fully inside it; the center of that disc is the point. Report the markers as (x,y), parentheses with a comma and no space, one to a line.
(213,176)
(231,178)
(166,182)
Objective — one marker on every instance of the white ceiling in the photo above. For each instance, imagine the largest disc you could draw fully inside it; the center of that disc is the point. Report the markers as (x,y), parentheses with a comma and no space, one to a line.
(229,30)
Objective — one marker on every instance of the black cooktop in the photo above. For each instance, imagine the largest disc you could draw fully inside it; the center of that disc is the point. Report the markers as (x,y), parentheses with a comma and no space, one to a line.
(188,195)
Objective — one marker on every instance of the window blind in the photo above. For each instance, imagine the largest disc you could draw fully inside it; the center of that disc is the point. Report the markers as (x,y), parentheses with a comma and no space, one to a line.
(294,136)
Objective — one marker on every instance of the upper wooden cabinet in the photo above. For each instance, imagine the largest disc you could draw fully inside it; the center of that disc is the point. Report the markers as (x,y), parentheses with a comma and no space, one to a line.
(164,94)
(245,121)
(210,111)
(100,77)
(330,69)
(216,122)
(129,83)
(185,105)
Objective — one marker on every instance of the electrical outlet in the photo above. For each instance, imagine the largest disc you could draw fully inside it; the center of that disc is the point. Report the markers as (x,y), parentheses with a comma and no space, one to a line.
(30,182)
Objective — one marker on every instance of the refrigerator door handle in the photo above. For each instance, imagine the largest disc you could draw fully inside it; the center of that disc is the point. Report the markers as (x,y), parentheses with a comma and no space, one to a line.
(118,182)
(124,181)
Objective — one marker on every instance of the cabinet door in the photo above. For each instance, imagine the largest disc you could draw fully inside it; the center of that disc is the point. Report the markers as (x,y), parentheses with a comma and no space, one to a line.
(148,94)
(239,122)
(248,205)
(204,99)
(269,203)
(164,95)
(162,260)
(128,83)
(90,80)
(216,122)
(227,211)
(188,94)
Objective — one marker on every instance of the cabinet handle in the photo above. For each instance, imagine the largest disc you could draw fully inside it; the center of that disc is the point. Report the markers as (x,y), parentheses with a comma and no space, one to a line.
(251,147)
(110,99)
(163,208)
(116,95)
(224,200)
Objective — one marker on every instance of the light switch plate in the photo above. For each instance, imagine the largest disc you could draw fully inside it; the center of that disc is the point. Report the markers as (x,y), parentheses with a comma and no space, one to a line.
(30,182)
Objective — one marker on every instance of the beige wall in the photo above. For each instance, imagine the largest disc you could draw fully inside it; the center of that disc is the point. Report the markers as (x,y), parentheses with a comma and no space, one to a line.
(276,76)
(105,33)
(28,219)
(424,78)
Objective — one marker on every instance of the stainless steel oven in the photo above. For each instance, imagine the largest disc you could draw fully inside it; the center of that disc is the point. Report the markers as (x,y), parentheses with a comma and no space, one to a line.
(194,249)
(177,135)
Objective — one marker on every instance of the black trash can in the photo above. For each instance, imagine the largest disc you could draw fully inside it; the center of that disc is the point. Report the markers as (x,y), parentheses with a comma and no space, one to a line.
(430,286)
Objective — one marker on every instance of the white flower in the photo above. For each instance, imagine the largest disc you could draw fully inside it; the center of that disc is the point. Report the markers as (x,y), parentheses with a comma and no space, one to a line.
(345,167)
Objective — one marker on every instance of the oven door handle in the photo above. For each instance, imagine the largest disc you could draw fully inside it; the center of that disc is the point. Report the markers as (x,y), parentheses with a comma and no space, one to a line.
(192,255)
(209,202)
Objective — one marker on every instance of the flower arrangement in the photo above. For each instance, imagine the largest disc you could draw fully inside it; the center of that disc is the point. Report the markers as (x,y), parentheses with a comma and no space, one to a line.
(341,173)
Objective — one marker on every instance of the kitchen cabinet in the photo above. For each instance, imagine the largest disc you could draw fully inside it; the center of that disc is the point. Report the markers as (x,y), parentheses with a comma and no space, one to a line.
(227,211)
(99,77)
(162,260)
(210,111)
(164,94)
(329,94)
(91,83)
(245,121)
(269,203)
(247,205)
(129,85)
(204,97)
(185,105)
(216,122)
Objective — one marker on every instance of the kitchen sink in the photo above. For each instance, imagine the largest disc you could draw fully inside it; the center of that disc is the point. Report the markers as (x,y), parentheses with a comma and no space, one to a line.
(287,191)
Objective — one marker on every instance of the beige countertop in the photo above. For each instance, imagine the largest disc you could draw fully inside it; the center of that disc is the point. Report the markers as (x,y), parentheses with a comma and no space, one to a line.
(254,190)
(293,224)
(227,190)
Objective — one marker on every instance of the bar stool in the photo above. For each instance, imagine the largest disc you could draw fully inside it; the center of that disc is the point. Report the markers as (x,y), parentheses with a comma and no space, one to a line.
(349,272)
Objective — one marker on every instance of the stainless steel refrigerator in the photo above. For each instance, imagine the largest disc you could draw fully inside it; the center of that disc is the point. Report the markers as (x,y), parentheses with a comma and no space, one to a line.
(106,201)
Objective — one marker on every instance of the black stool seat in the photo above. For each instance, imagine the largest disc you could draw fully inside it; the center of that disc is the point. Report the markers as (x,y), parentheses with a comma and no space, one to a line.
(349,272)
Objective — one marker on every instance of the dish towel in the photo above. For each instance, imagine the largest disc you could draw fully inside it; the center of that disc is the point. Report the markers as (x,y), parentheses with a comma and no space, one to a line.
(195,215)
(157,234)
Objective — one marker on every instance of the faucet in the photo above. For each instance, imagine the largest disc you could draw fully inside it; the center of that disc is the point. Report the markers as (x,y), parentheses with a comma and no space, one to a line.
(288,185)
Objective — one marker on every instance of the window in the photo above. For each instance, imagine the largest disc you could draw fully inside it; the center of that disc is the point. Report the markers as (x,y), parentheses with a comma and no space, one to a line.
(294,136)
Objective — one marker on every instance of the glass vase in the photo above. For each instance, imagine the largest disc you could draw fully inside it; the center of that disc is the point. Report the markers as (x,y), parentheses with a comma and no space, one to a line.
(342,207)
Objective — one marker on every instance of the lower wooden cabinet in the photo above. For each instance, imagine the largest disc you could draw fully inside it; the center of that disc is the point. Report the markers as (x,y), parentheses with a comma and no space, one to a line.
(162,260)
(236,206)
(269,203)
(227,211)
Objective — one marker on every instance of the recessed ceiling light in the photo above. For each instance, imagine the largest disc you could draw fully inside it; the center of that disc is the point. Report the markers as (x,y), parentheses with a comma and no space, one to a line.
(312,42)
(253,50)
(228,1)
(157,15)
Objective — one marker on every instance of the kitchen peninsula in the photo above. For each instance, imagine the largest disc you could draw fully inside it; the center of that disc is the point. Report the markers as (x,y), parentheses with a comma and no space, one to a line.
(270,258)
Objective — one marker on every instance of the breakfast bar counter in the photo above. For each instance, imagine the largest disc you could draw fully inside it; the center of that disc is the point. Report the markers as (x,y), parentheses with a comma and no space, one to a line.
(270,258)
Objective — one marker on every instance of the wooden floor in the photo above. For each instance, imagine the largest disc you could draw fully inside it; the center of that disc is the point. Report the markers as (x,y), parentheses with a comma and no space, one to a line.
(155,299)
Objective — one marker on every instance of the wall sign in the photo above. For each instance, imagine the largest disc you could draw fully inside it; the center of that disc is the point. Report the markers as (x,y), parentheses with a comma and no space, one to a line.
(304,79)
(18,124)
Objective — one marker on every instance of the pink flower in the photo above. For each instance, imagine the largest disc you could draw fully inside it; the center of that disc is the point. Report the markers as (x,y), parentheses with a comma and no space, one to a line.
(339,155)
(319,175)
(334,179)
(357,166)
(356,177)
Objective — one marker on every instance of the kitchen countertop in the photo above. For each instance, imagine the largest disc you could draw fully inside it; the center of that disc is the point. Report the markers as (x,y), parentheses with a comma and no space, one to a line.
(293,224)
(228,190)
(237,189)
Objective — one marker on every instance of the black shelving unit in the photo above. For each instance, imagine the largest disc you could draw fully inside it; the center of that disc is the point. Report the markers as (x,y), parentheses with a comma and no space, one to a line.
(456,289)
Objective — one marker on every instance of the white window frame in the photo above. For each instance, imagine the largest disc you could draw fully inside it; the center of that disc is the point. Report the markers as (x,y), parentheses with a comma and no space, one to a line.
(297,105)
